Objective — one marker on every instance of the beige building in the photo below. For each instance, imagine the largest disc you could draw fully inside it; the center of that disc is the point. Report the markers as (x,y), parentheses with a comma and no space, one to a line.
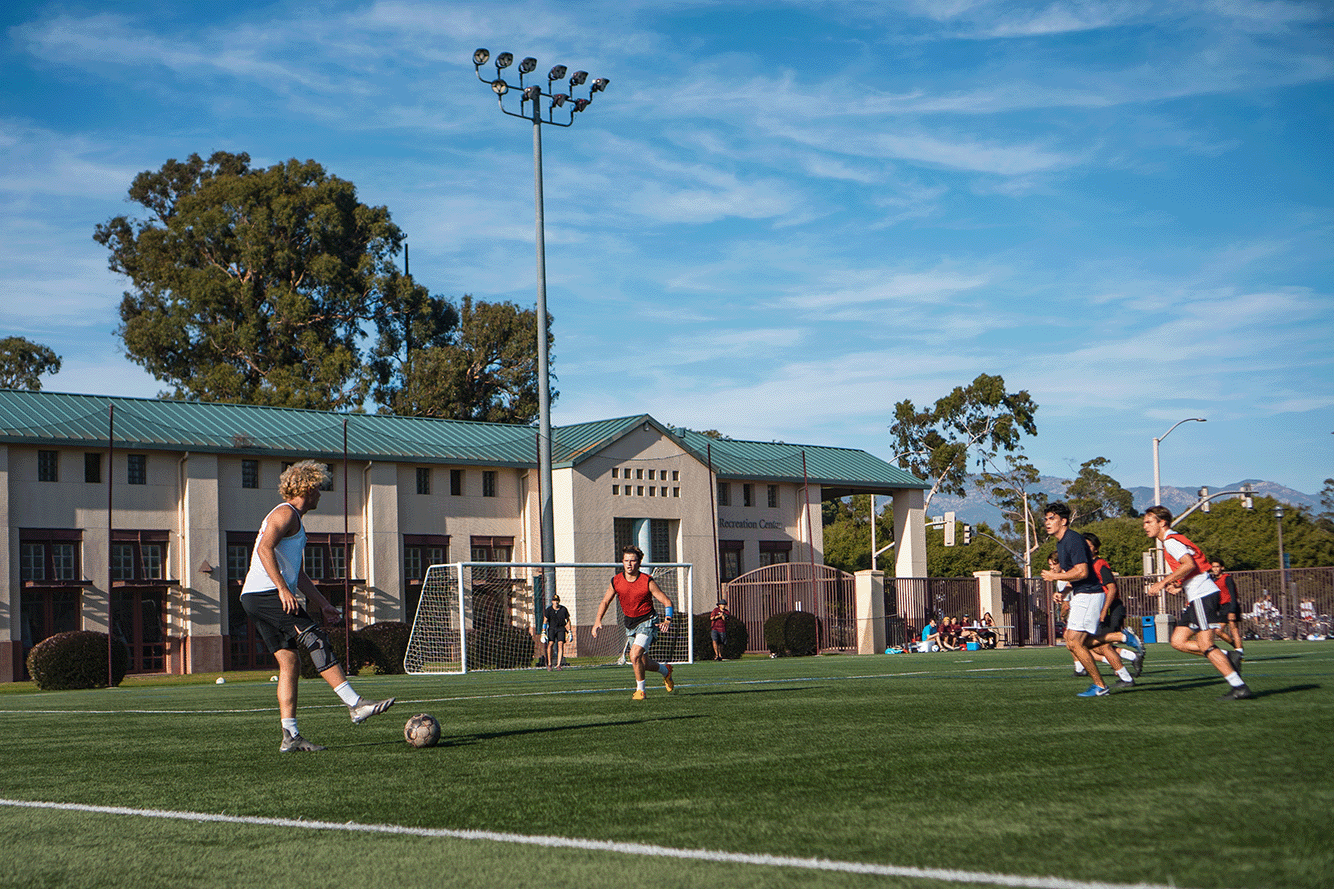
(145,511)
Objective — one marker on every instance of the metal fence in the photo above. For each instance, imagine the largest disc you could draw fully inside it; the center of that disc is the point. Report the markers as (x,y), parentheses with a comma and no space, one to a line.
(826,592)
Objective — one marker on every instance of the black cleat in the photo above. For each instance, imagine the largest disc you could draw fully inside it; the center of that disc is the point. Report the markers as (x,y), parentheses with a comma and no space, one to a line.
(297,744)
(1240,693)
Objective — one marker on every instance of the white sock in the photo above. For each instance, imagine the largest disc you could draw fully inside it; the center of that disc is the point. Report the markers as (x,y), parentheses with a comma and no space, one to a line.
(1241,652)
(639,685)
(1234,679)
(289,726)
(1124,675)
(1079,668)
(345,692)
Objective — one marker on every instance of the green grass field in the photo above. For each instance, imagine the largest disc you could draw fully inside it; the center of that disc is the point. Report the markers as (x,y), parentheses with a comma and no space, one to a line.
(893,770)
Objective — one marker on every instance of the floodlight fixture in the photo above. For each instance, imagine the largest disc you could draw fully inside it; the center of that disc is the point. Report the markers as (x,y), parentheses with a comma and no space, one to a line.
(556,73)
(528,65)
(480,57)
(578,77)
(581,104)
(532,93)
(599,85)
(559,99)
(504,60)
(499,86)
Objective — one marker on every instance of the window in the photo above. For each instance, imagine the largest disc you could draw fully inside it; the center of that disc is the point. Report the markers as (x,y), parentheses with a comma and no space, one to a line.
(137,469)
(238,561)
(488,483)
(661,533)
(639,489)
(775,552)
(729,559)
(773,496)
(662,492)
(420,552)
(747,495)
(639,473)
(615,472)
(615,489)
(423,480)
(652,491)
(137,556)
(676,492)
(326,557)
(676,475)
(651,473)
(49,556)
(250,473)
(92,468)
(48,466)
(456,482)
(724,494)
(492,549)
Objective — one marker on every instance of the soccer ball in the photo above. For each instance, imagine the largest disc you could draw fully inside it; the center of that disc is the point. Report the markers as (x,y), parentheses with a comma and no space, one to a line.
(422,730)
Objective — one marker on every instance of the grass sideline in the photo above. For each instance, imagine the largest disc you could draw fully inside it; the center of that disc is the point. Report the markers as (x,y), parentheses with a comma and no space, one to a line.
(981,762)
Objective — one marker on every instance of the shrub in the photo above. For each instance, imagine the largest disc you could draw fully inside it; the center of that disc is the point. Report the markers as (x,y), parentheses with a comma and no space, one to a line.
(792,634)
(76,659)
(702,644)
(504,648)
(386,645)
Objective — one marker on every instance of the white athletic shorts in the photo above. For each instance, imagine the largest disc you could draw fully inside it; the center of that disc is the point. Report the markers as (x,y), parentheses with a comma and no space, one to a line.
(1085,609)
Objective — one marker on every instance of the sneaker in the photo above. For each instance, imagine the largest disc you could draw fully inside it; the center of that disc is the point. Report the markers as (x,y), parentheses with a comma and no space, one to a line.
(1137,665)
(1240,693)
(1234,658)
(363,709)
(667,682)
(1094,691)
(1121,683)
(1133,641)
(295,743)
(1080,674)
(638,695)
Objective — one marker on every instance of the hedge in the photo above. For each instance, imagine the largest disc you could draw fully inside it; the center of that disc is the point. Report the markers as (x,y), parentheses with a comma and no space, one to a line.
(76,659)
(792,634)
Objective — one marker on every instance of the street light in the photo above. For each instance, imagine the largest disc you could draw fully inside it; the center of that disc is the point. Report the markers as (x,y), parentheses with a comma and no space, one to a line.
(555,100)
(1157,485)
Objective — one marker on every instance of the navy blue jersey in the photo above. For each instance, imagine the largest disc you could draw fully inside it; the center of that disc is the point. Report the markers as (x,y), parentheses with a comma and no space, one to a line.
(1073,550)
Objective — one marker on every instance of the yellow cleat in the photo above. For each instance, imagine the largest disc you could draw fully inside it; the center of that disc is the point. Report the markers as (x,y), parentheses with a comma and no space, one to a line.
(667,682)
(637,696)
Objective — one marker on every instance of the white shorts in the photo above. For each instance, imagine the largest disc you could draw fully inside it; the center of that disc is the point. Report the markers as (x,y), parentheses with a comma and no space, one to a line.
(1085,609)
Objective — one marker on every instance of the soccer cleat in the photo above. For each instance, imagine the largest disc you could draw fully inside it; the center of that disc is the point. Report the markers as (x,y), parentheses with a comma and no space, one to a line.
(667,682)
(363,709)
(1080,674)
(638,695)
(1133,641)
(1121,683)
(1234,658)
(1137,665)
(1240,693)
(295,743)
(1094,691)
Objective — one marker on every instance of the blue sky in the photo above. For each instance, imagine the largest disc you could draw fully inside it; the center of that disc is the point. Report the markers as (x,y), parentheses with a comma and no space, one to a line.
(781,218)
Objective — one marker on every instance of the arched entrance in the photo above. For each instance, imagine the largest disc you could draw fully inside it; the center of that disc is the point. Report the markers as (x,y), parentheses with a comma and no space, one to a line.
(825,591)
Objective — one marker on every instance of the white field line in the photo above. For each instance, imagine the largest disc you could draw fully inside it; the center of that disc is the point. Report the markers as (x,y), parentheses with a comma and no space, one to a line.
(640,849)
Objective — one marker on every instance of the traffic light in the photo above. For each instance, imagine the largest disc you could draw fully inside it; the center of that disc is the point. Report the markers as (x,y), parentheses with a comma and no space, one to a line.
(1204,496)
(1246,501)
(949,529)
(967,534)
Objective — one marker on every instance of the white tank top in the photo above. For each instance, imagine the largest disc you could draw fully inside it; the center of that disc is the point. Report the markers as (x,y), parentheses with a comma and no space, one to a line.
(289,552)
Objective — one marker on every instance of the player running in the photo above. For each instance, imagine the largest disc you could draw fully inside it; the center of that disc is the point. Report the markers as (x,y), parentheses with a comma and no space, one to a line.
(1201,615)
(636,592)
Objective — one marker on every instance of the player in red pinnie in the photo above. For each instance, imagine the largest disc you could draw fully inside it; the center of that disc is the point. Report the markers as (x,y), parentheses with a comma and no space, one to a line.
(636,592)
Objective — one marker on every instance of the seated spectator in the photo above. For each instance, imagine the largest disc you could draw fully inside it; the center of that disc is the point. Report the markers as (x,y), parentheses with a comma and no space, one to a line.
(930,637)
(987,637)
(949,634)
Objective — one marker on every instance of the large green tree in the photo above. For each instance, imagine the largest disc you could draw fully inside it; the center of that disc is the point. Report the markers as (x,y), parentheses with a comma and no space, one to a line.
(1093,495)
(985,553)
(23,363)
(1005,485)
(251,285)
(485,370)
(847,533)
(979,422)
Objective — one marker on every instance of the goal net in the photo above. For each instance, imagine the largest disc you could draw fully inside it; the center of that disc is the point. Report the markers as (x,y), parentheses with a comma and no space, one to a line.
(488,615)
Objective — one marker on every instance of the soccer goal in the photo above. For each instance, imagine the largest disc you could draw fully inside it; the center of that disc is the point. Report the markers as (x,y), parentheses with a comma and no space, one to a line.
(488,615)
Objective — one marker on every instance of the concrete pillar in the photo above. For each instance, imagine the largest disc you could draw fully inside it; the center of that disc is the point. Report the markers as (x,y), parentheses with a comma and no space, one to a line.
(870,587)
(910,533)
(989,599)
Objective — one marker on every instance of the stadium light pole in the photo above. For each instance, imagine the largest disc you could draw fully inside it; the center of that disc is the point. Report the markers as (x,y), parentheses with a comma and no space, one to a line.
(1289,607)
(531,108)
(1158,501)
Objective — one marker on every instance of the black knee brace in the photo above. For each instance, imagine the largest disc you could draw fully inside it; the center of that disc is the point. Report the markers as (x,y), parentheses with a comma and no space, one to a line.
(316,642)
(1209,649)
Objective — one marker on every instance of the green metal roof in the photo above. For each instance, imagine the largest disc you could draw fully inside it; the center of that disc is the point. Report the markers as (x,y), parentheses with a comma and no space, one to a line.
(87,420)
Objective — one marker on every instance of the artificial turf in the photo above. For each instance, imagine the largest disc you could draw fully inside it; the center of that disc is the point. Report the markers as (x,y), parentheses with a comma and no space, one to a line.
(984,763)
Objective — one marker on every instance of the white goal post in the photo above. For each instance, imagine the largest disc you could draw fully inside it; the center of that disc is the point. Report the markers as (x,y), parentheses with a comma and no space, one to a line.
(488,615)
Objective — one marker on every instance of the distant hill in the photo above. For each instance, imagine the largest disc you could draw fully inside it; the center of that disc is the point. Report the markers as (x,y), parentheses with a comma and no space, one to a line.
(974,509)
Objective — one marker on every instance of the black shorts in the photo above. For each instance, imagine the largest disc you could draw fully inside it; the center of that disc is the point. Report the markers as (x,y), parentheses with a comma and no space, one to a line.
(1116,618)
(1231,610)
(556,635)
(1202,614)
(277,628)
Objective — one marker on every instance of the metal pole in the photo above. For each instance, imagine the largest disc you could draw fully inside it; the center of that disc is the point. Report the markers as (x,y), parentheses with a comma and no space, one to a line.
(347,565)
(111,449)
(547,528)
(1288,603)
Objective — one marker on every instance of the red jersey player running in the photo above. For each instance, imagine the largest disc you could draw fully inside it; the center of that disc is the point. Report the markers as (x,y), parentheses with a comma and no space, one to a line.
(636,592)
(1201,616)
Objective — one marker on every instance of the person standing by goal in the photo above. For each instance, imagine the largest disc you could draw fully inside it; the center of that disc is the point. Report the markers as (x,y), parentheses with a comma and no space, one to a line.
(268,598)
(635,592)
